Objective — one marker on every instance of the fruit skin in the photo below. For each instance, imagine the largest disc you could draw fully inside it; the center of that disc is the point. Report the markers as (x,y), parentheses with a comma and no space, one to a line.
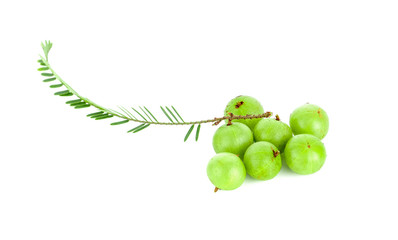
(309,119)
(273,131)
(226,171)
(262,161)
(235,138)
(243,105)
(305,154)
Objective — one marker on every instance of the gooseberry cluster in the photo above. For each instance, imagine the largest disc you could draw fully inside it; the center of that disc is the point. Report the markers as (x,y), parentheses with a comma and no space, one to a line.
(254,146)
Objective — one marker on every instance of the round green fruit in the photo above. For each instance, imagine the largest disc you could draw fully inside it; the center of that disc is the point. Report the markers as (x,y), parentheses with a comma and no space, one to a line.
(235,138)
(305,154)
(262,160)
(273,131)
(244,105)
(309,119)
(226,171)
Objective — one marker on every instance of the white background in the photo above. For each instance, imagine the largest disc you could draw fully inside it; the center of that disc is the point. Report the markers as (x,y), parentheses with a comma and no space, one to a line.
(65,176)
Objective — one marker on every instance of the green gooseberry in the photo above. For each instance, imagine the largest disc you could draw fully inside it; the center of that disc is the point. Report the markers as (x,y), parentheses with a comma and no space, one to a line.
(244,105)
(262,160)
(305,154)
(226,171)
(309,119)
(234,138)
(273,131)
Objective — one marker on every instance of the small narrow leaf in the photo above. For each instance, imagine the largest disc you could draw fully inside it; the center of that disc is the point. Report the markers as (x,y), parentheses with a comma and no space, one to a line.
(197,132)
(49,79)
(121,122)
(127,112)
(141,128)
(40,61)
(151,114)
(56,85)
(62,92)
(121,114)
(103,117)
(189,132)
(78,103)
(172,114)
(73,101)
(167,115)
(47,74)
(99,115)
(93,114)
(177,114)
(139,114)
(82,106)
(43,69)
(146,114)
(66,94)
(46,48)
(131,130)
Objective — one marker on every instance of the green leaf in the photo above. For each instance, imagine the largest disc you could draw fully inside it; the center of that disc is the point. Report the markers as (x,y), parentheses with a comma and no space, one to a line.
(78,103)
(131,130)
(47,74)
(94,114)
(62,92)
(139,114)
(146,114)
(82,106)
(165,113)
(177,114)
(172,114)
(43,69)
(103,117)
(121,122)
(197,133)
(151,114)
(49,79)
(141,128)
(66,94)
(73,101)
(117,113)
(127,112)
(189,133)
(47,45)
(56,85)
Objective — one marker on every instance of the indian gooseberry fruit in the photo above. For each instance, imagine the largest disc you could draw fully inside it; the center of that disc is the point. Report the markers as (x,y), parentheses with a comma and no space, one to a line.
(244,105)
(262,160)
(273,131)
(234,138)
(305,154)
(226,171)
(309,119)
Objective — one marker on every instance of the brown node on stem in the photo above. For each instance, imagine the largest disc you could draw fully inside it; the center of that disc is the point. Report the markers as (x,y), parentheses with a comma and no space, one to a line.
(229,119)
(238,104)
(268,114)
(277,117)
(216,123)
(216,189)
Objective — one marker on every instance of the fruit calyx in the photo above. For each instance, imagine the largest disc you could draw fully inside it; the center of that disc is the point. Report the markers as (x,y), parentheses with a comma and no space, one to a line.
(276,153)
